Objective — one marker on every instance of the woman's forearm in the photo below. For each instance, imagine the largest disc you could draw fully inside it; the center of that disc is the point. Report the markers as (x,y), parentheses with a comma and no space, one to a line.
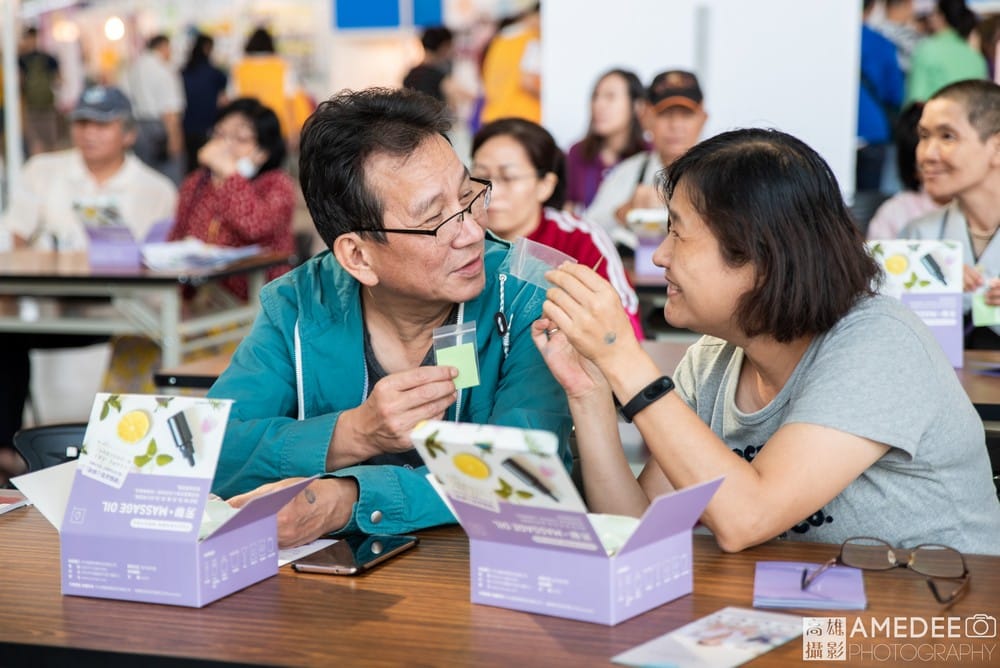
(608,480)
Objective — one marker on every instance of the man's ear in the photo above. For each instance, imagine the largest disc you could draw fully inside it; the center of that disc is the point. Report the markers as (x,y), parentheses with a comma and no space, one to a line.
(129,134)
(354,255)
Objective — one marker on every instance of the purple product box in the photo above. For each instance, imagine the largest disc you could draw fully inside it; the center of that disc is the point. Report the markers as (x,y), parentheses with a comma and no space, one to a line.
(551,562)
(148,550)
(115,246)
(644,257)
(942,313)
(130,511)
(112,246)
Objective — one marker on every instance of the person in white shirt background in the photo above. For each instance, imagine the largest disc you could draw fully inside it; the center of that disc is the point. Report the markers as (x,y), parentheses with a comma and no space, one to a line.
(157,93)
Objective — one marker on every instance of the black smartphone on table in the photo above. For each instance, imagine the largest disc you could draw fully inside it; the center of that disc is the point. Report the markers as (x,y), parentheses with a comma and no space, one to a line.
(354,554)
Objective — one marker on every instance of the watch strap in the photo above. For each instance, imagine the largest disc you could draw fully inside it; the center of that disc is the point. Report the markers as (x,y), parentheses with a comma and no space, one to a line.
(647,395)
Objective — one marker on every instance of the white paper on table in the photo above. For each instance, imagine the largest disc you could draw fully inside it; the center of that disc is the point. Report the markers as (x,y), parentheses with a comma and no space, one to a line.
(49,489)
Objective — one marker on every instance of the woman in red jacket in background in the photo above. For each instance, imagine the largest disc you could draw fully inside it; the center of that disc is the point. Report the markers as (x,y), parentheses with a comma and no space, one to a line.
(240,195)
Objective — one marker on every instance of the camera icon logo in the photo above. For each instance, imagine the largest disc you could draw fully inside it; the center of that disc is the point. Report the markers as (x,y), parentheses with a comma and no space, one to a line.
(981,626)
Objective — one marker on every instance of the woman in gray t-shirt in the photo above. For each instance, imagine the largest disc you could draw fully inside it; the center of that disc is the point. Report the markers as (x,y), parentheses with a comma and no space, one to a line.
(842,411)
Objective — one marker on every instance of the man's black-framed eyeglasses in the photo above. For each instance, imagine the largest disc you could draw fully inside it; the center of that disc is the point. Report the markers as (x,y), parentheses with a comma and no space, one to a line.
(448,229)
(937,562)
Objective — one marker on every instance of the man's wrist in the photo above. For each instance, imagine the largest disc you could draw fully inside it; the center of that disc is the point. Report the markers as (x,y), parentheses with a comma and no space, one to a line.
(349,444)
(345,498)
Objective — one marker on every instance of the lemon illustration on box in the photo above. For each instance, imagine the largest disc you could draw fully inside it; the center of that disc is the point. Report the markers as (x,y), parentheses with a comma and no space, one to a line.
(133,426)
(896,264)
(471,465)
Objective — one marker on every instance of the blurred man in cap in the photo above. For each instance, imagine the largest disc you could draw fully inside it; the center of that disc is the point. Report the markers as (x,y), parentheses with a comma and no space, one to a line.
(97,174)
(98,169)
(674,117)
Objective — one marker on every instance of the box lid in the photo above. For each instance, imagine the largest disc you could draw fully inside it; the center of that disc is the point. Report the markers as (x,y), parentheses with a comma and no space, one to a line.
(261,506)
(670,514)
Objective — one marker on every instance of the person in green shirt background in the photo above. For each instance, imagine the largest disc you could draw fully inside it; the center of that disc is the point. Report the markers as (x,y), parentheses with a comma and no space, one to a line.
(946,56)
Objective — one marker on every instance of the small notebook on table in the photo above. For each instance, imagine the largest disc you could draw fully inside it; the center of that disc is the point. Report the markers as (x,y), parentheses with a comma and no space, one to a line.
(778,584)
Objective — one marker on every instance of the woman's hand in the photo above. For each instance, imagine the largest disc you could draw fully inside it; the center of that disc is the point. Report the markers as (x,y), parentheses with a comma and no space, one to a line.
(589,313)
(971,278)
(577,375)
(992,295)
(217,158)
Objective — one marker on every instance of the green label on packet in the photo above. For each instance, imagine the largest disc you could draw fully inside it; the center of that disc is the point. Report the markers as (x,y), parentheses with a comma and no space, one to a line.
(462,357)
(984,315)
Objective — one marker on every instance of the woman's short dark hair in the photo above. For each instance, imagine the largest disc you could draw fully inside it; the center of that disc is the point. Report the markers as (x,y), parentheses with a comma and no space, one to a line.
(907,137)
(266,127)
(593,143)
(342,135)
(543,152)
(774,204)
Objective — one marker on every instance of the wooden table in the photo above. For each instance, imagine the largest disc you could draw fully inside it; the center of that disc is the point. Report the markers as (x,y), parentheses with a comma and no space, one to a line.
(142,301)
(414,610)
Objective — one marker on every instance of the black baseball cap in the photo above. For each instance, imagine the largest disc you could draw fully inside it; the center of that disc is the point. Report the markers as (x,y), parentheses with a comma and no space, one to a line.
(674,88)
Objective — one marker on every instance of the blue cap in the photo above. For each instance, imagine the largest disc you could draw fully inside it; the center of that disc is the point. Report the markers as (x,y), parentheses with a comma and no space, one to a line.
(102,104)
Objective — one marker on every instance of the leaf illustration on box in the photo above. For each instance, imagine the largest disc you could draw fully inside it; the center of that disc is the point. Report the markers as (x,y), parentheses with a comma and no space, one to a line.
(163,402)
(142,460)
(113,401)
(505,489)
(433,446)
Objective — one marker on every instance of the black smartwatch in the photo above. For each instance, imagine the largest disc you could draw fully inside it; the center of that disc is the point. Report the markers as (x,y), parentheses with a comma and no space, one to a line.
(655,390)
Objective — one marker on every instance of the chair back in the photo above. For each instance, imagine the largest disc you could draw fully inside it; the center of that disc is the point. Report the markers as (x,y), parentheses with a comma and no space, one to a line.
(49,445)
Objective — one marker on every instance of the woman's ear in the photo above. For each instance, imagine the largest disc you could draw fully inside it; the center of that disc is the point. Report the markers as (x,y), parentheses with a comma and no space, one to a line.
(993,142)
(353,254)
(546,186)
(260,156)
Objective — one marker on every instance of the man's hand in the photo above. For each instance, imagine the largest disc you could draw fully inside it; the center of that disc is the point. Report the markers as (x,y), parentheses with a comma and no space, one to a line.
(322,507)
(397,403)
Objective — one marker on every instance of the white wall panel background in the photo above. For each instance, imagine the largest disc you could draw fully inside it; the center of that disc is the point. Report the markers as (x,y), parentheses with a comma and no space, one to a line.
(786,64)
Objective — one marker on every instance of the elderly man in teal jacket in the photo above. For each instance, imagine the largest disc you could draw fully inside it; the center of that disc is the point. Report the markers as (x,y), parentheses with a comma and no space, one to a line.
(339,365)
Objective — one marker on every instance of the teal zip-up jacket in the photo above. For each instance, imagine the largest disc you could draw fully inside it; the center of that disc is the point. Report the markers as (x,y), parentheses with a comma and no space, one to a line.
(267,441)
